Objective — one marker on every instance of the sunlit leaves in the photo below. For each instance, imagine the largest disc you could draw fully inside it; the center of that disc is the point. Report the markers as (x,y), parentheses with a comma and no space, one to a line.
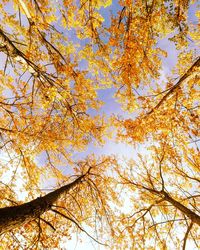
(56,57)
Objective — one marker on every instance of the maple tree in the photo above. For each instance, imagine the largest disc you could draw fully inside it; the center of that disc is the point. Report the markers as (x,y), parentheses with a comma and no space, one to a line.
(55,58)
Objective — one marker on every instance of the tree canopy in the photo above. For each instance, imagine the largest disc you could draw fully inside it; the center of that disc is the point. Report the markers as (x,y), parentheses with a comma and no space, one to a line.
(60,61)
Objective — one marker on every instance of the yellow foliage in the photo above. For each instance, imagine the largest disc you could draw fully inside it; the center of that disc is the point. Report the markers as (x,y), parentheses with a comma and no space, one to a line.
(78,77)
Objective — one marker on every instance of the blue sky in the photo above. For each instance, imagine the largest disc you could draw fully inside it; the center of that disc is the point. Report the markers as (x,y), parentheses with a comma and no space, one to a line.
(111,106)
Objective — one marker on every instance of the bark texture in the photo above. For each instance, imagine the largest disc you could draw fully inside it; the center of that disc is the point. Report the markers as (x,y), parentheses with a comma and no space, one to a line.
(195,218)
(16,216)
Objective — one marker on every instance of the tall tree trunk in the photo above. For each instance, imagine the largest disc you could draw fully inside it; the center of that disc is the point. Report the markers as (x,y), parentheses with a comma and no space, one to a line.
(195,218)
(189,213)
(15,216)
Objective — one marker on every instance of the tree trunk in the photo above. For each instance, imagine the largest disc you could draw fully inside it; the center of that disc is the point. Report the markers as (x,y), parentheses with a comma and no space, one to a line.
(195,218)
(16,216)
(189,213)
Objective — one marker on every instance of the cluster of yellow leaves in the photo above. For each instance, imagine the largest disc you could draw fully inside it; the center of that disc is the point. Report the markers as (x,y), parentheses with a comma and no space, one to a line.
(49,84)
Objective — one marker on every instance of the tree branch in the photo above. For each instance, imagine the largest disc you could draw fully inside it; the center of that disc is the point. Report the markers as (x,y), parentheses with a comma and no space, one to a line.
(72,220)
(186,235)
(171,91)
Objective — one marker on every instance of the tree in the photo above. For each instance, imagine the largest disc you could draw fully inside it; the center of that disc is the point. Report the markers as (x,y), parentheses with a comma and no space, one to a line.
(56,58)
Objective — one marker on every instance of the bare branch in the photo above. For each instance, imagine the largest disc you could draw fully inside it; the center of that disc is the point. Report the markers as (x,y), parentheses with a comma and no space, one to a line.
(83,230)
(186,235)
